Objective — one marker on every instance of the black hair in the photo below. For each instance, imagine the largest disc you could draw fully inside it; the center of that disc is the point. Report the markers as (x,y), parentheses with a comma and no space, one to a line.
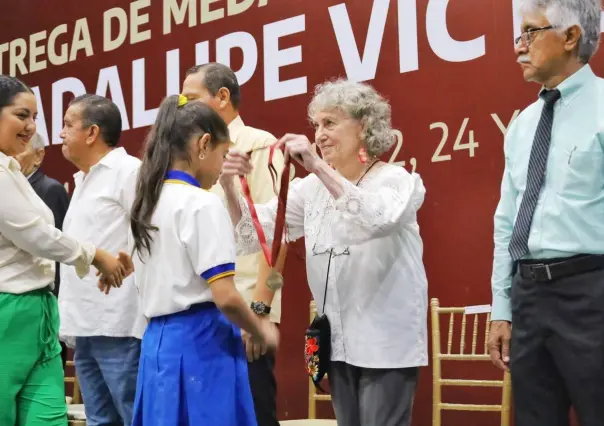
(100,111)
(215,77)
(168,141)
(10,87)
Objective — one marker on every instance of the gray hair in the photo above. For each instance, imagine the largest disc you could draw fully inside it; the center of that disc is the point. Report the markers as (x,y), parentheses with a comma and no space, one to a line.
(564,14)
(36,142)
(362,103)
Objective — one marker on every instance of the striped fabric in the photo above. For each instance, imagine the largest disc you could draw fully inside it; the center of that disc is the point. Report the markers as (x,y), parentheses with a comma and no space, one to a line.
(536,173)
(218,272)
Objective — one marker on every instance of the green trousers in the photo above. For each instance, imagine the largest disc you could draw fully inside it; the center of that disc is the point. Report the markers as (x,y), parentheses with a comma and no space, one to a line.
(32,390)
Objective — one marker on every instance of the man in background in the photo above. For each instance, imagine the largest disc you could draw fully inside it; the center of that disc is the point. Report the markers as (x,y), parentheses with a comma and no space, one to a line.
(548,270)
(216,85)
(106,329)
(51,192)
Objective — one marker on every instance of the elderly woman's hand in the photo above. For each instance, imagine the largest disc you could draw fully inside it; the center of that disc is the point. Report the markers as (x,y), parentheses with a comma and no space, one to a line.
(300,149)
(236,163)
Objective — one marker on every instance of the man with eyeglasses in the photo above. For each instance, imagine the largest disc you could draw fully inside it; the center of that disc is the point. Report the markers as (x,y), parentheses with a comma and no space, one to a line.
(548,272)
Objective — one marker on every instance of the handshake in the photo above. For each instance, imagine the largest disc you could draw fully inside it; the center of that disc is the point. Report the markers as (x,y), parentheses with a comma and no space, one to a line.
(111,270)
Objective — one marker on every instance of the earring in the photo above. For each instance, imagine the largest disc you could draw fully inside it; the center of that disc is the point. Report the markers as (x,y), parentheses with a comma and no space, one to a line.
(202,156)
(363,155)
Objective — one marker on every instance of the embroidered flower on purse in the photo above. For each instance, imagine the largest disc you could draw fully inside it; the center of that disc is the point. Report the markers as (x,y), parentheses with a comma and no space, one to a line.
(311,345)
(311,356)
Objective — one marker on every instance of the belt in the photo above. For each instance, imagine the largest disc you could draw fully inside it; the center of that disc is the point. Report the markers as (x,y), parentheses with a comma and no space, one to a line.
(553,269)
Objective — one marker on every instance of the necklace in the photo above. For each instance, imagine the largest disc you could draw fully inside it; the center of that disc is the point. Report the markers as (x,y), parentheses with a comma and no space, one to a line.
(367,168)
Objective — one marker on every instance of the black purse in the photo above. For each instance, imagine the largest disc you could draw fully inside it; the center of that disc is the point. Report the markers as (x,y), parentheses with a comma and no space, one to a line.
(317,349)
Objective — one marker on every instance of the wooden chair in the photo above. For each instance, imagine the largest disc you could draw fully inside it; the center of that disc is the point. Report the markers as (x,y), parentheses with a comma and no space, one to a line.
(313,397)
(76,415)
(438,356)
(75,409)
(77,396)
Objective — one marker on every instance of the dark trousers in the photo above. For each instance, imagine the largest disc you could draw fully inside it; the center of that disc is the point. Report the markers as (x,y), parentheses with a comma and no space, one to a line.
(63,354)
(55,291)
(264,389)
(557,350)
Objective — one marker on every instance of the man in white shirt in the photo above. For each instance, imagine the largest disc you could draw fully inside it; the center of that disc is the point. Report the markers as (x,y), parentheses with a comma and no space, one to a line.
(106,329)
(216,85)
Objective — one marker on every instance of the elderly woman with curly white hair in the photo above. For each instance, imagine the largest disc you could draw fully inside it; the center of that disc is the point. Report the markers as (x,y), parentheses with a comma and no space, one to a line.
(363,250)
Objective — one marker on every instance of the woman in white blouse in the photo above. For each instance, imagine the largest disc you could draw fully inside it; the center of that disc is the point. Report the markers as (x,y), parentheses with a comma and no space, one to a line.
(32,390)
(358,216)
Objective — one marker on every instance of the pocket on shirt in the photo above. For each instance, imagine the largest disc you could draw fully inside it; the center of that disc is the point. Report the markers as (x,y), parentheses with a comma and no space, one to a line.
(577,173)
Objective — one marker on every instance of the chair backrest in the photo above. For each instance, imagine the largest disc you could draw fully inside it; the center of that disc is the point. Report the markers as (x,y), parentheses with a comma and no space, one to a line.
(313,396)
(77,397)
(475,354)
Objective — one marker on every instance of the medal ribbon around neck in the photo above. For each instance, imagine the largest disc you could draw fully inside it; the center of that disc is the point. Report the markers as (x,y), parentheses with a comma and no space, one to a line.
(275,280)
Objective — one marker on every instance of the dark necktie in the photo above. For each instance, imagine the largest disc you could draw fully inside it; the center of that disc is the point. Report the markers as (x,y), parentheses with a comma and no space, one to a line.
(535,176)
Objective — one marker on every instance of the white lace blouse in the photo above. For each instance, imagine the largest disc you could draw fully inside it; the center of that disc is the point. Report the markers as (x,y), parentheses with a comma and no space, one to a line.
(377,289)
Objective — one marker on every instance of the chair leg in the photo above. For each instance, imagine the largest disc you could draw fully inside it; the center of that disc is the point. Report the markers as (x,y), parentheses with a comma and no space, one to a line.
(76,392)
(436,416)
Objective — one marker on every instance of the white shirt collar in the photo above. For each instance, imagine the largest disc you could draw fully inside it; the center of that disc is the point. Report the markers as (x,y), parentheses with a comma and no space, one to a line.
(9,162)
(110,160)
(235,128)
(32,173)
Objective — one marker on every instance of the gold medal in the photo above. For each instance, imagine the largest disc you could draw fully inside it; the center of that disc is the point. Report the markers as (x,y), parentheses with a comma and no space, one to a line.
(275,280)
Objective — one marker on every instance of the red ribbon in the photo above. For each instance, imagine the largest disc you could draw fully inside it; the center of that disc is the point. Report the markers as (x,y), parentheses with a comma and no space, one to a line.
(271,258)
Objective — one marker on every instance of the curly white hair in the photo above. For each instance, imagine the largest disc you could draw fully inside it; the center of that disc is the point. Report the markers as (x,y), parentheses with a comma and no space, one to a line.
(361,102)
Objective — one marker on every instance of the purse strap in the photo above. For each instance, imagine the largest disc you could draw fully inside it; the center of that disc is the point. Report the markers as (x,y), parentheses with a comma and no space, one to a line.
(331,251)
(326,281)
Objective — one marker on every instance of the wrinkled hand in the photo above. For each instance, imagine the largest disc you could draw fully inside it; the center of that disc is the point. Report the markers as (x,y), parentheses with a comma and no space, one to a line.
(300,149)
(499,344)
(254,348)
(236,163)
(123,264)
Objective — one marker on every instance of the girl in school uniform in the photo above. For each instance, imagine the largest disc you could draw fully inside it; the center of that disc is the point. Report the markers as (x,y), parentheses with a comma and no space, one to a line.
(193,369)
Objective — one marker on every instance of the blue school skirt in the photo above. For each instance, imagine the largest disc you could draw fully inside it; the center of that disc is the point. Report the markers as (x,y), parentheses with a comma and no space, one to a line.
(193,372)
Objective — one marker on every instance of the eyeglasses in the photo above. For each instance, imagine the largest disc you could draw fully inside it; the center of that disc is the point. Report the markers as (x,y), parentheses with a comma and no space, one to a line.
(527,36)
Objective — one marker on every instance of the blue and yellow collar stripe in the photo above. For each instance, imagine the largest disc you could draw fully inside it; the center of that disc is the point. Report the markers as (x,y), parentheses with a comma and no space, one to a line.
(182,178)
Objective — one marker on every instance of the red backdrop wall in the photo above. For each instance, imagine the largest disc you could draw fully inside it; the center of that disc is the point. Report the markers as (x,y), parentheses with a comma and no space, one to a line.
(444,87)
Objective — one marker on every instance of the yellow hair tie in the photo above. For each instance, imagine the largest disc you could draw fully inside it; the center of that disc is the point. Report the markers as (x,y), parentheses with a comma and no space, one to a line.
(182,100)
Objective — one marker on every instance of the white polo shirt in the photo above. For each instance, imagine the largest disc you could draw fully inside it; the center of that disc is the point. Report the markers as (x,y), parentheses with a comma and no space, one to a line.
(193,246)
(99,212)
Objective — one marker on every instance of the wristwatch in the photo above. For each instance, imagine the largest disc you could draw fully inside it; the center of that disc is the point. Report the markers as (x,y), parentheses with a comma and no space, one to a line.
(260,308)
